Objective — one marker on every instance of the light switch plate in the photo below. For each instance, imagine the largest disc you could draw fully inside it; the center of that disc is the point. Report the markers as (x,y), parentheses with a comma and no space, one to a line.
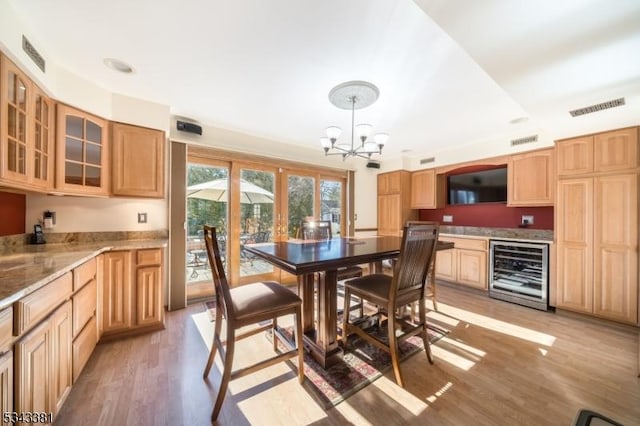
(447,218)
(142,218)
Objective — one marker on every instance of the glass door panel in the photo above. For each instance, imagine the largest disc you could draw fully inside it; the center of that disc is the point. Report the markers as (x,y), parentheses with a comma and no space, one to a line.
(300,202)
(16,120)
(207,203)
(331,204)
(257,219)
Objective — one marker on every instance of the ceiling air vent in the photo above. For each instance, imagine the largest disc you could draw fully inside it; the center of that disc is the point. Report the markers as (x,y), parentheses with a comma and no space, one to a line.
(598,107)
(427,160)
(522,141)
(33,53)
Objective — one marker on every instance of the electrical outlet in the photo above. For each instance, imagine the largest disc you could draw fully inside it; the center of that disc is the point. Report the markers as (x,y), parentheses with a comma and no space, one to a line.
(527,220)
(447,218)
(142,218)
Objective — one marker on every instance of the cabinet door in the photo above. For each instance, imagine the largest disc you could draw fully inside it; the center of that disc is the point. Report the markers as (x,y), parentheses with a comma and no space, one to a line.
(61,371)
(574,156)
(132,177)
(395,182)
(616,247)
(446,261)
(14,131)
(82,149)
(33,377)
(43,140)
(383,183)
(389,220)
(472,268)
(423,189)
(616,150)
(117,291)
(574,233)
(149,307)
(6,382)
(531,179)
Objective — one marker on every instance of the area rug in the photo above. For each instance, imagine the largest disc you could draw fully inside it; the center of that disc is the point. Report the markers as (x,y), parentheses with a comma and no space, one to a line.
(361,365)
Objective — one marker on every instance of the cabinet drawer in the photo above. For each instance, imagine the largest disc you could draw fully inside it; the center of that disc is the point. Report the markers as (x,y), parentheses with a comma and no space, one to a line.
(6,328)
(84,273)
(84,306)
(149,257)
(83,347)
(466,243)
(34,307)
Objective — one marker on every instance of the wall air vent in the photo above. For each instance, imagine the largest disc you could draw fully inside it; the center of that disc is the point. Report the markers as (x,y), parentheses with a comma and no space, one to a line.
(33,53)
(522,141)
(427,160)
(598,107)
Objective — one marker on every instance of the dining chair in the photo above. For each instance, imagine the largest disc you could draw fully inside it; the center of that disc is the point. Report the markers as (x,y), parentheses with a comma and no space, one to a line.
(246,305)
(392,293)
(320,230)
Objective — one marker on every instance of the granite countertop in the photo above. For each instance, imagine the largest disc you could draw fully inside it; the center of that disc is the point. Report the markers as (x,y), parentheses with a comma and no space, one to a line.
(509,234)
(27,268)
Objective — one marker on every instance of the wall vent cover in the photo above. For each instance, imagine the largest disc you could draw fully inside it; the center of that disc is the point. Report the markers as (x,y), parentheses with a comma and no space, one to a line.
(597,107)
(522,141)
(427,160)
(33,53)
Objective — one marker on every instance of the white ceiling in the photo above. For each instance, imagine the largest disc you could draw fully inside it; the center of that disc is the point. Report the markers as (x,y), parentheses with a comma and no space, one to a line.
(450,72)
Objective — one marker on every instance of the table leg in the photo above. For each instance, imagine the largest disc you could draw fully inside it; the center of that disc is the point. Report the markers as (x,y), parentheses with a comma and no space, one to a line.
(323,344)
(305,291)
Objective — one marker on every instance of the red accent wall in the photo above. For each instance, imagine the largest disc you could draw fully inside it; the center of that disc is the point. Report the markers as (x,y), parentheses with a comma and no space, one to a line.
(13,208)
(492,215)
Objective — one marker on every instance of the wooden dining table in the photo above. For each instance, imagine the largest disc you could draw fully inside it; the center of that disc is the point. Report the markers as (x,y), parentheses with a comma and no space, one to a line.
(304,258)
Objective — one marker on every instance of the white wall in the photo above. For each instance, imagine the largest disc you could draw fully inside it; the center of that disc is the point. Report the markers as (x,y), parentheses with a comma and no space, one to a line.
(231,140)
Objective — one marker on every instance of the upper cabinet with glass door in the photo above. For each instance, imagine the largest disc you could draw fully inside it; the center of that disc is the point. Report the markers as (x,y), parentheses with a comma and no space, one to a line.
(26,139)
(82,149)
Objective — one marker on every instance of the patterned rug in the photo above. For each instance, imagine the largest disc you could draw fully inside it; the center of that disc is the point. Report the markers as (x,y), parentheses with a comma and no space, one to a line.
(361,365)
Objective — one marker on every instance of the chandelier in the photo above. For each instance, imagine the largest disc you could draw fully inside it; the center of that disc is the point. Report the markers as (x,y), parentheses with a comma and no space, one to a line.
(353,95)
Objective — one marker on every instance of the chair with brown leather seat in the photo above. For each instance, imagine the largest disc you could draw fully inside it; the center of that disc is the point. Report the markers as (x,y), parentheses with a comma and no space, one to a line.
(247,305)
(391,293)
(320,230)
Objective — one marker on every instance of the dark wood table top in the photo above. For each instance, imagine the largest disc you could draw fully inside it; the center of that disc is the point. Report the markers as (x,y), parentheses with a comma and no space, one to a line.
(302,257)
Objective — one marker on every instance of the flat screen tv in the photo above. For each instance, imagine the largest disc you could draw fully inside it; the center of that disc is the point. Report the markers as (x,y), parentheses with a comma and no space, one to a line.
(486,186)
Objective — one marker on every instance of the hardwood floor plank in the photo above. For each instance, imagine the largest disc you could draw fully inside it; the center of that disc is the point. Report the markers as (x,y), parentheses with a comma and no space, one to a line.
(501,364)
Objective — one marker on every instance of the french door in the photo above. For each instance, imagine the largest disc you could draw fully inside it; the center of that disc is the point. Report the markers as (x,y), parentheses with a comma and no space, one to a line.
(253,202)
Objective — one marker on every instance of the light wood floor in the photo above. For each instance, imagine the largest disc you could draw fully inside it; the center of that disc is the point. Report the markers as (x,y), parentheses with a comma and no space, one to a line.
(502,364)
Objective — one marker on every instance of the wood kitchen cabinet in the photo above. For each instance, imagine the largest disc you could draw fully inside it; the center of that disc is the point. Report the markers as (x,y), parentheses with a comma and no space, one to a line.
(597,236)
(82,153)
(132,291)
(43,364)
(6,360)
(531,178)
(26,131)
(465,264)
(612,151)
(131,176)
(427,190)
(394,202)
(6,382)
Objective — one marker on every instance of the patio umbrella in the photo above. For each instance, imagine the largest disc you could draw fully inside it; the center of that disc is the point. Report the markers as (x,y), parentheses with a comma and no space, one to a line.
(218,190)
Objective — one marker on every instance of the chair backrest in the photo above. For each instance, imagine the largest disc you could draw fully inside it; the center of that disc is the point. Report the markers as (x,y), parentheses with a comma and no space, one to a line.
(262,236)
(316,230)
(417,251)
(223,295)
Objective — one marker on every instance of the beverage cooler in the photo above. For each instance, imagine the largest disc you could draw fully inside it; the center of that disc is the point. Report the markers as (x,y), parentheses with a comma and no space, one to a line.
(518,273)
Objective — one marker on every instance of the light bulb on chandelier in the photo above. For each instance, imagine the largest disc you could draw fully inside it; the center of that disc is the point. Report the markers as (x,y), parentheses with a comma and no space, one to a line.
(354,95)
